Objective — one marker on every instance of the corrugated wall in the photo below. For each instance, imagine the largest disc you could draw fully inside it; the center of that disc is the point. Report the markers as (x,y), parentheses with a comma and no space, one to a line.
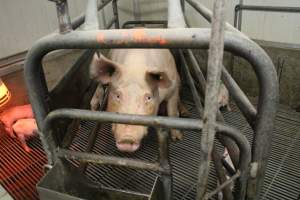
(23,22)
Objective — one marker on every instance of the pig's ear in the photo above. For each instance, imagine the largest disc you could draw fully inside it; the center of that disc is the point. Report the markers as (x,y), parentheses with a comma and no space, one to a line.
(158,78)
(102,69)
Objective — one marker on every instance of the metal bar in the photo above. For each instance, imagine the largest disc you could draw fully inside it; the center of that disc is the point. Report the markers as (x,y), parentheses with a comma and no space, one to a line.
(81,18)
(240,16)
(175,15)
(91,16)
(268,8)
(63,16)
(93,134)
(220,172)
(215,59)
(192,86)
(108,160)
(239,97)
(162,38)
(116,15)
(225,184)
(156,121)
(144,22)
(227,142)
(207,14)
(165,178)
(110,23)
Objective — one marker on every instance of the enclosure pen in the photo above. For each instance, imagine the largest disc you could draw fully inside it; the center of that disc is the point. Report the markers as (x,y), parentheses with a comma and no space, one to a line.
(65,180)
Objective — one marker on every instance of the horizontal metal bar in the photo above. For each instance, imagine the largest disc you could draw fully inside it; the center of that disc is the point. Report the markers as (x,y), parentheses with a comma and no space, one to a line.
(81,18)
(108,160)
(145,22)
(157,121)
(268,8)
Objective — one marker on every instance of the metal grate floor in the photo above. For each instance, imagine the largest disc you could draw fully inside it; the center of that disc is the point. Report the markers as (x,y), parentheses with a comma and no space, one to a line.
(20,171)
(282,177)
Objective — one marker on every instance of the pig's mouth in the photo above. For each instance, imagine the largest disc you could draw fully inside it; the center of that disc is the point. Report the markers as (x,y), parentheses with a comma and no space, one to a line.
(127,146)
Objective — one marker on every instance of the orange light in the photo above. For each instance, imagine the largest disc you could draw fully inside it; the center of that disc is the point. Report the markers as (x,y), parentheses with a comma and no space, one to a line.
(4,94)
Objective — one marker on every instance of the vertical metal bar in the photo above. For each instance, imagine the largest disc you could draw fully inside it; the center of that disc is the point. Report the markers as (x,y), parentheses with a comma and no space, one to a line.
(116,15)
(227,193)
(175,15)
(63,16)
(215,59)
(240,16)
(191,84)
(165,178)
(91,16)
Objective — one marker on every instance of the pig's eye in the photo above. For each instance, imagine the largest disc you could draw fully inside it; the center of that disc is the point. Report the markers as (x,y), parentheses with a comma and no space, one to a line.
(117,96)
(148,97)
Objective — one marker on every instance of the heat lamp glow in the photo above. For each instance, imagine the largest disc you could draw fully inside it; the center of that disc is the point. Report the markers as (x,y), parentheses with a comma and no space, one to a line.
(4,94)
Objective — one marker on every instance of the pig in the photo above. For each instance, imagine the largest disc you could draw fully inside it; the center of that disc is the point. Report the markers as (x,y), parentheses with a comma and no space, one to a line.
(25,129)
(139,81)
(11,115)
(223,97)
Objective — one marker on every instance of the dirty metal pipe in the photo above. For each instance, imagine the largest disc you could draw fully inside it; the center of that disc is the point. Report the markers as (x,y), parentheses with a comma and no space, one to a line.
(91,16)
(166,178)
(108,160)
(215,59)
(175,14)
(116,15)
(63,16)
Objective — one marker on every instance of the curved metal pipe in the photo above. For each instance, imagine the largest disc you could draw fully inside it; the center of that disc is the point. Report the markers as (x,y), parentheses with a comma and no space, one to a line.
(161,38)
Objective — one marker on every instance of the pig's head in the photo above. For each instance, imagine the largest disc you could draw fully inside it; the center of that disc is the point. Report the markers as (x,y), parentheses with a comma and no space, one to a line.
(131,93)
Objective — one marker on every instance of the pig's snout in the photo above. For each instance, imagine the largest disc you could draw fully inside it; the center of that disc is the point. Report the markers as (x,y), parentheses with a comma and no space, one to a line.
(128,137)
(128,145)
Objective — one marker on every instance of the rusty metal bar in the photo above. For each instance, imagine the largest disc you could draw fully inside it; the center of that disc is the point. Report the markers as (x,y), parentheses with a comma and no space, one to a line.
(115,12)
(108,160)
(91,16)
(63,16)
(215,59)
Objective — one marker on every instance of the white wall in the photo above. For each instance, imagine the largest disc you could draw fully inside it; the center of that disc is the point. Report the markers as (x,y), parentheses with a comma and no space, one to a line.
(23,22)
(269,26)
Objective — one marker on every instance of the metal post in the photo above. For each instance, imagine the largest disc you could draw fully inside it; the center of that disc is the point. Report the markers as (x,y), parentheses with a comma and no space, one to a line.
(63,16)
(116,15)
(175,15)
(240,16)
(165,178)
(215,60)
(91,16)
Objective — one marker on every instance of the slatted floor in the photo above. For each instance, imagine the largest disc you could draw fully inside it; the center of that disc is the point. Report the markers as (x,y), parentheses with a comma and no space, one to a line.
(20,171)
